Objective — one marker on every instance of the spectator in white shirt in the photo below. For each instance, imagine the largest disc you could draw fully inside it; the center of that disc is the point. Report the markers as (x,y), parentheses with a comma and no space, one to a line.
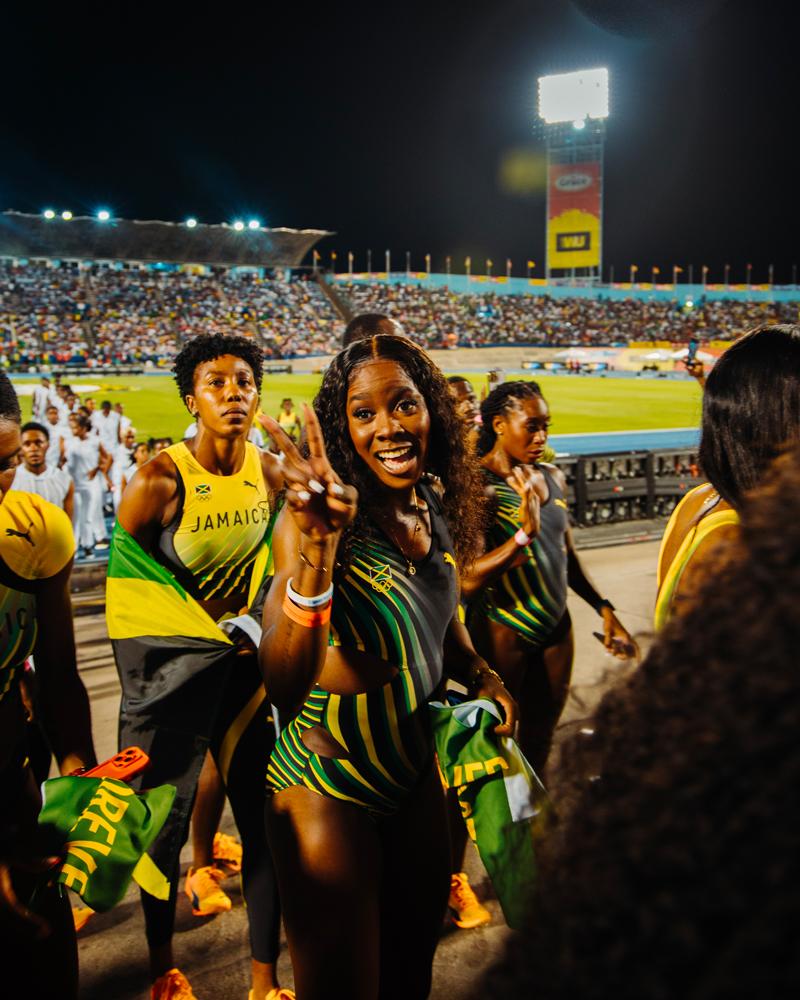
(41,399)
(56,432)
(106,423)
(123,460)
(87,463)
(35,476)
(124,422)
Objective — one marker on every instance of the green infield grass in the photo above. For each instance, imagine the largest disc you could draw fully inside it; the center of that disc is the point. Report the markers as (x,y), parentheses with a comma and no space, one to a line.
(578,405)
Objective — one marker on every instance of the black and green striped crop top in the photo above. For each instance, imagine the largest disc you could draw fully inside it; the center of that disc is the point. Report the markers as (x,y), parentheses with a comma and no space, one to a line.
(381,609)
(532,598)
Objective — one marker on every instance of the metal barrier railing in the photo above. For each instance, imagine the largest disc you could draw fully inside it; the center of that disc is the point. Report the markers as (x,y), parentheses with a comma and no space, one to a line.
(628,486)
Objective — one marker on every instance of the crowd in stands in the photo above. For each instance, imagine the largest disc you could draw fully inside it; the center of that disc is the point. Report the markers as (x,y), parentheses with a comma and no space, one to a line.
(439,318)
(60,315)
(101,316)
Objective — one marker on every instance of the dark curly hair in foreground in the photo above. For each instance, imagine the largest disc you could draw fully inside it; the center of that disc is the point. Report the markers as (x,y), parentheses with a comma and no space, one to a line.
(676,871)
(9,400)
(448,457)
(206,347)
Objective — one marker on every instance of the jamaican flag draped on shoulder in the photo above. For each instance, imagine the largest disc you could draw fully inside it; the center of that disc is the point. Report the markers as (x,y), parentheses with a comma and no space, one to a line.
(503,803)
(177,668)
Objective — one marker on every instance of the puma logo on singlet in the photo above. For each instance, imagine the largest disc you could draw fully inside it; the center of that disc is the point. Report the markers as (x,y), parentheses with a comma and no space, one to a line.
(21,534)
(246,483)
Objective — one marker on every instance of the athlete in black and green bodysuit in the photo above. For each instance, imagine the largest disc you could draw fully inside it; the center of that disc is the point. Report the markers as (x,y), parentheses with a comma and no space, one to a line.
(359,624)
(518,586)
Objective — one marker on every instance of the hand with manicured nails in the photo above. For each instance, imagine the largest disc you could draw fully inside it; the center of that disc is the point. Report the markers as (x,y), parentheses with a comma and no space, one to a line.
(320,503)
(522,482)
(488,686)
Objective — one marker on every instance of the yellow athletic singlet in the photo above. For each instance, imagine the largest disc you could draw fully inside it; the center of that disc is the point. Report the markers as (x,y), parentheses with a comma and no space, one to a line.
(35,543)
(668,583)
(288,422)
(212,543)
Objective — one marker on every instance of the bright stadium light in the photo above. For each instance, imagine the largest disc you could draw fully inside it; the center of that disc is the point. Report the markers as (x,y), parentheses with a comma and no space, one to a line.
(574,96)
(103,216)
(66,215)
(253,223)
(238,225)
(579,123)
(191,223)
(49,214)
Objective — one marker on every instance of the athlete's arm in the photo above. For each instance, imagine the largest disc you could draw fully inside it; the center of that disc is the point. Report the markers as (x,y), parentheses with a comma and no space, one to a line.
(463,664)
(150,500)
(271,467)
(69,501)
(490,566)
(291,656)
(63,703)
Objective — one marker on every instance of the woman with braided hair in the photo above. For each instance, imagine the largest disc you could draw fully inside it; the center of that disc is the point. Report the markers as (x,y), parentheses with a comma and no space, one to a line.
(519,619)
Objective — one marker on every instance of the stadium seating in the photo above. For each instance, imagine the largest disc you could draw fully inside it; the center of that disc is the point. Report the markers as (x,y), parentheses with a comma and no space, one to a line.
(60,315)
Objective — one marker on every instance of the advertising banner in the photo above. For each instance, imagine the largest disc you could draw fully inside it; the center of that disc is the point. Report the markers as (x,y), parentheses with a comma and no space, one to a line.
(573,223)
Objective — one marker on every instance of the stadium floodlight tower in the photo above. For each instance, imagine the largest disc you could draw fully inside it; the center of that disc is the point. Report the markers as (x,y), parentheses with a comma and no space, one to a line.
(573,108)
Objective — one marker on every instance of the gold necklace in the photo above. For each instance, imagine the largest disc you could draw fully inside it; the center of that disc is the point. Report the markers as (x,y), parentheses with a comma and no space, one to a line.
(412,569)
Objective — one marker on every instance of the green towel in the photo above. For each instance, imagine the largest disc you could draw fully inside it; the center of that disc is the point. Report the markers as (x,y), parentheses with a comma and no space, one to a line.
(102,829)
(504,805)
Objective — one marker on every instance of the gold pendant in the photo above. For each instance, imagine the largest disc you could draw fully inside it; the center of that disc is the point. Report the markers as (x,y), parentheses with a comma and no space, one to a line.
(411,570)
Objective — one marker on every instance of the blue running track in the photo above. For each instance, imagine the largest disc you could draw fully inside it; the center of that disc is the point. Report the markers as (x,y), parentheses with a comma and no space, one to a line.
(608,441)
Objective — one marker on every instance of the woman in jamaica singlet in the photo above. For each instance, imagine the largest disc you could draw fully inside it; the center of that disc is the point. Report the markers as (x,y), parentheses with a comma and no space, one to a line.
(359,626)
(518,587)
(202,509)
(751,411)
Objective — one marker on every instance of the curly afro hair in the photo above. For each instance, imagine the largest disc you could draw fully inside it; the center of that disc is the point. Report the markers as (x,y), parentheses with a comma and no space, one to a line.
(676,870)
(9,401)
(449,455)
(206,347)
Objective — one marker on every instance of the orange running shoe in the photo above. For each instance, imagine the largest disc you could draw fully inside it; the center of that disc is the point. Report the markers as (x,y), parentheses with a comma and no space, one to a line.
(202,887)
(172,986)
(81,915)
(467,910)
(228,851)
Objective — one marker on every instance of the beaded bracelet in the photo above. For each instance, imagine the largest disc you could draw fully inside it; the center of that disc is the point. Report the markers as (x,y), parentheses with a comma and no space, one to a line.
(308,619)
(308,602)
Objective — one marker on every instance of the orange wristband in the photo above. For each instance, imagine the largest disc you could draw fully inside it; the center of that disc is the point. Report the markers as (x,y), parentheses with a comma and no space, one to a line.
(310,619)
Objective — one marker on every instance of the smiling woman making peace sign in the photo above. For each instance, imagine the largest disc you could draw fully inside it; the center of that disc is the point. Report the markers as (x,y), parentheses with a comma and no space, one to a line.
(359,626)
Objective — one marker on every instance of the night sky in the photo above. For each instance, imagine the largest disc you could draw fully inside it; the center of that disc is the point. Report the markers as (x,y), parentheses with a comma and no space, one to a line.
(409,126)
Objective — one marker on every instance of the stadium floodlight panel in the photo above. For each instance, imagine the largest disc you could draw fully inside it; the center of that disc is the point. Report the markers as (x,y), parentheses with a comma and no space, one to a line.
(66,215)
(238,225)
(254,223)
(49,214)
(191,223)
(103,216)
(573,96)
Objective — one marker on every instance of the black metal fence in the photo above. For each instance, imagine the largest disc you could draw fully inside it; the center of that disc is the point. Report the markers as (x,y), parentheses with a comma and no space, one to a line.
(628,486)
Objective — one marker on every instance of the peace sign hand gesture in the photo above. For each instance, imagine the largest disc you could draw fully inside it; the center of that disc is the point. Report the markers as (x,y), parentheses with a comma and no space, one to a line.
(522,482)
(320,503)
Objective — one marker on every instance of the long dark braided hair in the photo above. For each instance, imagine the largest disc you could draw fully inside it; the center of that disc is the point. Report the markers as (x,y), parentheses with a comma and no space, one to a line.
(498,403)
(448,457)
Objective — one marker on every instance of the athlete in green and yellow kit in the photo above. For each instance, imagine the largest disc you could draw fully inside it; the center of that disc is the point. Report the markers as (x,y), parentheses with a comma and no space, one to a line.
(201,509)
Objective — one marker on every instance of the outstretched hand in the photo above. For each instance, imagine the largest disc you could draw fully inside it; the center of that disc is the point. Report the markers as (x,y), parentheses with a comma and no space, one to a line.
(320,503)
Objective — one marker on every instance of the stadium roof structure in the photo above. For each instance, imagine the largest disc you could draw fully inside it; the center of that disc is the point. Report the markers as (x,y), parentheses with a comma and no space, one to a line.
(24,235)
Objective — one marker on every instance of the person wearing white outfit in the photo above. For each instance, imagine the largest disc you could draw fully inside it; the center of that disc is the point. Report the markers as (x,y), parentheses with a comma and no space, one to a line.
(106,423)
(41,399)
(124,422)
(123,460)
(35,476)
(85,461)
(57,432)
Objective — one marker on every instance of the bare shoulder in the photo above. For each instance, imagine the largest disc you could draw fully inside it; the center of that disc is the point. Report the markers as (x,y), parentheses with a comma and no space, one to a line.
(556,472)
